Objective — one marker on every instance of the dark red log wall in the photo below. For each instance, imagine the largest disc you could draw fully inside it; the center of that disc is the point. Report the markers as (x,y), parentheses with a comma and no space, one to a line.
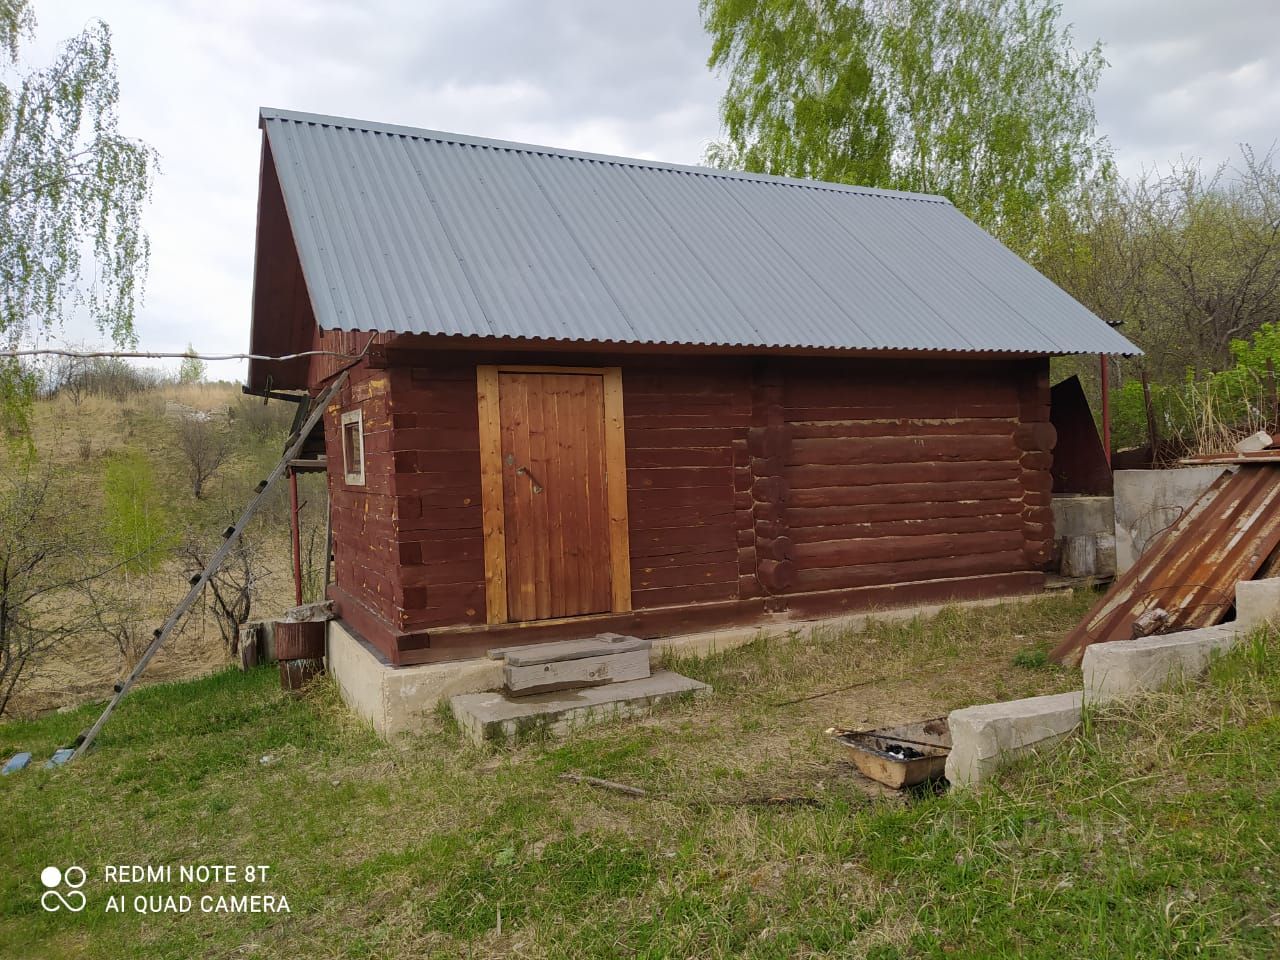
(788,478)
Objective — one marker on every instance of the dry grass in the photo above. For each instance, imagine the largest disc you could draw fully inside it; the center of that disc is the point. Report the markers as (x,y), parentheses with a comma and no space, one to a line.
(1153,833)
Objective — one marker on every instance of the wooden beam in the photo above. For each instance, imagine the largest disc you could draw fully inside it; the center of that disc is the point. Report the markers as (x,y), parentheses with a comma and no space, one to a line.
(615,453)
(495,533)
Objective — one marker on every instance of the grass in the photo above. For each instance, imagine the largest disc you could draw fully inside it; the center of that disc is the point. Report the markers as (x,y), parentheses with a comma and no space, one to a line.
(1154,833)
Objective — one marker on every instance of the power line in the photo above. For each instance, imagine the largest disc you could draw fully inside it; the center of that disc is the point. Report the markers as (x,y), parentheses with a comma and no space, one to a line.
(187,355)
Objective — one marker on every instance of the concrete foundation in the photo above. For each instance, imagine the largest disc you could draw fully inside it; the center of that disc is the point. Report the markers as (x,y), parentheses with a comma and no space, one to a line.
(984,738)
(1084,528)
(1125,668)
(493,716)
(1148,501)
(1257,602)
(396,700)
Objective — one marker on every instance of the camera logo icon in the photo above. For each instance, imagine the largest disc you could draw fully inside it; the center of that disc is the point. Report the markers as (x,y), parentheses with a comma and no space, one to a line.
(53,899)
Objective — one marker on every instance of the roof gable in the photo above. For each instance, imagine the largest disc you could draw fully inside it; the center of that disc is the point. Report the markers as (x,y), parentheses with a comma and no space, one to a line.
(414,231)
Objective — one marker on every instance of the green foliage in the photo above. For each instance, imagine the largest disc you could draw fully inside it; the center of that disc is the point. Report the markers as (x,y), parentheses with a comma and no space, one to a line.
(1209,409)
(135,522)
(72,188)
(984,101)
(1187,260)
(192,369)
(1150,832)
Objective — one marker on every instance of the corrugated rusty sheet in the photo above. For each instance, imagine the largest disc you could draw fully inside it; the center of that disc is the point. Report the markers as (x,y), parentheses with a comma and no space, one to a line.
(1192,570)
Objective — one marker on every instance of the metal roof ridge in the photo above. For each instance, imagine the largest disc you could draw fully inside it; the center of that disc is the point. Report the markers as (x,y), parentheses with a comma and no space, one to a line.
(420,133)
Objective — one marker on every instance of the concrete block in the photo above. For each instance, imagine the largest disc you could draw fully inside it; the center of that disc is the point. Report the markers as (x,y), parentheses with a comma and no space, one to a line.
(1148,501)
(492,716)
(396,700)
(580,672)
(985,737)
(1125,668)
(17,762)
(1255,443)
(1257,602)
(601,646)
(60,757)
(1080,516)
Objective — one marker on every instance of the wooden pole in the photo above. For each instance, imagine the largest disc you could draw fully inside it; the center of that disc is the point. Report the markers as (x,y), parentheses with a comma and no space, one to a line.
(1152,437)
(1106,407)
(328,542)
(296,535)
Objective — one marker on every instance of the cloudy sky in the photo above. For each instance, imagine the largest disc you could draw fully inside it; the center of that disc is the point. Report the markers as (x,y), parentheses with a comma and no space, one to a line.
(1188,78)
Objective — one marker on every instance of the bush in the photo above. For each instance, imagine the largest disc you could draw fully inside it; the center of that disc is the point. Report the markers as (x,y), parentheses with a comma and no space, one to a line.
(135,521)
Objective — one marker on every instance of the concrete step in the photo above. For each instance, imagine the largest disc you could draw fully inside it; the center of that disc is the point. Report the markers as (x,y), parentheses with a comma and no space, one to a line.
(494,716)
(598,646)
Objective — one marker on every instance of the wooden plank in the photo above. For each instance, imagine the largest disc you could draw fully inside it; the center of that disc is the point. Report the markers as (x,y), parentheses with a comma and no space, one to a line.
(871,574)
(848,553)
(983,523)
(616,477)
(905,449)
(801,518)
(868,474)
(495,537)
(889,493)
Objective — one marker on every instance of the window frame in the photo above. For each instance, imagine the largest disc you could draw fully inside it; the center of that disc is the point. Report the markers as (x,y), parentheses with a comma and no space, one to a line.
(353,477)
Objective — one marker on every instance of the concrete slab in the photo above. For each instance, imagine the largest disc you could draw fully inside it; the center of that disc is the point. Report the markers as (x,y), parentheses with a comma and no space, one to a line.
(17,762)
(1125,668)
(600,646)
(581,672)
(492,716)
(1147,501)
(1257,602)
(987,736)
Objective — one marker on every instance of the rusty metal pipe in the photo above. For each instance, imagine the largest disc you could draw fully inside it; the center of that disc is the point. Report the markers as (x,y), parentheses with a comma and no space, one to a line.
(297,538)
(1106,406)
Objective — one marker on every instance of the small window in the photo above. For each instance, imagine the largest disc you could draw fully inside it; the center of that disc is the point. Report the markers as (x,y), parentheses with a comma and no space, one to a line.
(353,447)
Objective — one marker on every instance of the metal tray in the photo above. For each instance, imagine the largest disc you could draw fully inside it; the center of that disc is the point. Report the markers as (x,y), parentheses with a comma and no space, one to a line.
(900,756)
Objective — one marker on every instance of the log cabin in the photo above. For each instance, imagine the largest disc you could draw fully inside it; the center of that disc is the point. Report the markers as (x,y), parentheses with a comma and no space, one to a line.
(590,393)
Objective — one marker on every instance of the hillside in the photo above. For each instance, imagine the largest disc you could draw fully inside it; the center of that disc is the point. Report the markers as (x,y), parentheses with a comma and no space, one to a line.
(114,455)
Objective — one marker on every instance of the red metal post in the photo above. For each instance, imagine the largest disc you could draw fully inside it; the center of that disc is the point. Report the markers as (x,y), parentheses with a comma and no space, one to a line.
(1106,407)
(297,538)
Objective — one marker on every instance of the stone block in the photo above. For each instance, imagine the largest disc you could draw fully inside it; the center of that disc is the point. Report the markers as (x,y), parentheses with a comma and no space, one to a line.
(599,646)
(1257,602)
(987,736)
(534,678)
(492,716)
(1124,668)
(1254,443)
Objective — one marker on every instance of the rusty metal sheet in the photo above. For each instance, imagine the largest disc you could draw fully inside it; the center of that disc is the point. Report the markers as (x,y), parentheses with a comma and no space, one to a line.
(1253,456)
(1191,571)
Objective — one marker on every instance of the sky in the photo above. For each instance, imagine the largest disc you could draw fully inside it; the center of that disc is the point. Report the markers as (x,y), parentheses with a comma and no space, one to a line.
(1187,78)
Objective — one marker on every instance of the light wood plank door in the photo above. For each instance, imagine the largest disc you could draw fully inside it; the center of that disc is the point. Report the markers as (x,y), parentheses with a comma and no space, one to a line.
(555,496)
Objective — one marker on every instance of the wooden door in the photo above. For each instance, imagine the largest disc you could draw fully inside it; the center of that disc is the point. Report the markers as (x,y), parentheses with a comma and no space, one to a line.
(554,494)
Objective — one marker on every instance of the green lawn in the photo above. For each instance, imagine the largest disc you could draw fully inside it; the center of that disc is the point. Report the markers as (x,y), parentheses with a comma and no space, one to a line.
(1156,833)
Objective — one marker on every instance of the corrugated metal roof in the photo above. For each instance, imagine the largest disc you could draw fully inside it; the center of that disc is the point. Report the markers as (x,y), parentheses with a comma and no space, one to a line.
(415,231)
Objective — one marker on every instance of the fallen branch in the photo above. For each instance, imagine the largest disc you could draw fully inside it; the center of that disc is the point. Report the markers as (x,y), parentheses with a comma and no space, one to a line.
(827,693)
(604,784)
